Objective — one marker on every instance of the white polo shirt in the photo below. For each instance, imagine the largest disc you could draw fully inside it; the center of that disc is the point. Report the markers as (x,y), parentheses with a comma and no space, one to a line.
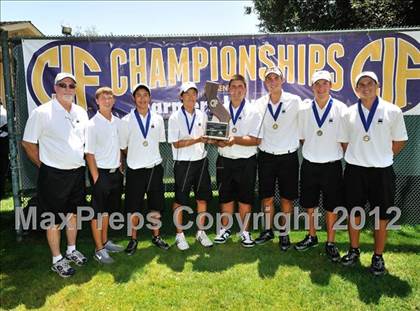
(60,134)
(178,130)
(321,148)
(284,139)
(248,123)
(103,142)
(139,155)
(387,126)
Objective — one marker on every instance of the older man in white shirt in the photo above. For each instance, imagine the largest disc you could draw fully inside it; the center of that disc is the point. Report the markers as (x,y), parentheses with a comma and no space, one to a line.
(54,142)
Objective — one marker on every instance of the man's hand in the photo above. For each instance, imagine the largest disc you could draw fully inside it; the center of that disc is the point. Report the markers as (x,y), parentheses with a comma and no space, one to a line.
(231,141)
(211,141)
(122,168)
(32,151)
(226,143)
(93,168)
(95,178)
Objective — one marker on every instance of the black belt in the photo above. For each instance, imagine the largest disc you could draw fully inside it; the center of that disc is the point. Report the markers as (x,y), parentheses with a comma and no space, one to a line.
(325,163)
(108,170)
(289,153)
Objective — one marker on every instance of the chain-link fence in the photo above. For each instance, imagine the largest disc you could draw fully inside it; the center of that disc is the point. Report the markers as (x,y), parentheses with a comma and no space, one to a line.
(407,164)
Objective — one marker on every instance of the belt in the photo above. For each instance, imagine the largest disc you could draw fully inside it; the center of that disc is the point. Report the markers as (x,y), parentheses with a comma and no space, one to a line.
(280,153)
(62,169)
(187,162)
(323,163)
(108,170)
(145,168)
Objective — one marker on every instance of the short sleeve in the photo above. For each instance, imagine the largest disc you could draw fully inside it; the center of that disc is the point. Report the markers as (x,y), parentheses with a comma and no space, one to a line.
(257,126)
(173,129)
(301,124)
(33,127)
(90,138)
(398,129)
(162,136)
(343,129)
(123,132)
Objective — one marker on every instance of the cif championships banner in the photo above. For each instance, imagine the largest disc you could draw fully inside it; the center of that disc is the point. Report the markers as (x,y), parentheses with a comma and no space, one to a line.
(164,63)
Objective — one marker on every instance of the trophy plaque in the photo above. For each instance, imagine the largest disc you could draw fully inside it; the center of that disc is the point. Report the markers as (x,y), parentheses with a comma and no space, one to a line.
(218,130)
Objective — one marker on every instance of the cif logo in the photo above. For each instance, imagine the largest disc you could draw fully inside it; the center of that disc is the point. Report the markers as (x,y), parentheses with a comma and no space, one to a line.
(398,61)
(55,57)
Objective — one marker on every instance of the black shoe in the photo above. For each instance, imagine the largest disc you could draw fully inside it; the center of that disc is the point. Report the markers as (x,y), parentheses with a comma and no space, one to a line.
(332,252)
(265,236)
(308,242)
(131,247)
(246,239)
(378,265)
(223,236)
(159,242)
(351,257)
(284,242)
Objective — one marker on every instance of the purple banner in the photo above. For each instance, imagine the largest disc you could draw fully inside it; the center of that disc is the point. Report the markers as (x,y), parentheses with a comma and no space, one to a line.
(164,63)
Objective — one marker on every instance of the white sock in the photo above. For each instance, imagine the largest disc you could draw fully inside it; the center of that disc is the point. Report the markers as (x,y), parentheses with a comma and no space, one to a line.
(70,249)
(55,259)
(180,235)
(199,232)
(222,230)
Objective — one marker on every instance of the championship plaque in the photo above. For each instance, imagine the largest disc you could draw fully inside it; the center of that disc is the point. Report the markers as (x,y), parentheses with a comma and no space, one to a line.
(218,130)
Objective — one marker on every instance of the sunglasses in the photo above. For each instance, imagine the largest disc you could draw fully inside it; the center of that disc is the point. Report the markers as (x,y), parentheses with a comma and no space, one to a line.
(65,86)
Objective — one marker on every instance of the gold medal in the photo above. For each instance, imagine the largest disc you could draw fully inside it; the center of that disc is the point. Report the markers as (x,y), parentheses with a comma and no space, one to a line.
(275,126)
(145,143)
(234,130)
(319,132)
(366,138)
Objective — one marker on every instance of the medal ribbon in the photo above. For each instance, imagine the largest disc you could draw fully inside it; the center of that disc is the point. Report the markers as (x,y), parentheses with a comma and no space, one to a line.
(275,115)
(320,121)
(238,113)
(144,130)
(189,127)
(368,122)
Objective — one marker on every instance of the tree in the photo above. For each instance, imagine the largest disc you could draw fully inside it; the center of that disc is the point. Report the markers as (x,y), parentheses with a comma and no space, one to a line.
(89,31)
(304,15)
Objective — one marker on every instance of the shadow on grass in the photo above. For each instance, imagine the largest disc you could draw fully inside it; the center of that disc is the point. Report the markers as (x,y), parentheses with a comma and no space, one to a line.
(270,259)
(314,261)
(26,278)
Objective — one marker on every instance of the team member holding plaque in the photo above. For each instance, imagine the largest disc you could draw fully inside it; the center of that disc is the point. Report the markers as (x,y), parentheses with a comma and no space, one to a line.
(373,131)
(141,132)
(278,158)
(185,133)
(217,128)
(237,163)
(321,170)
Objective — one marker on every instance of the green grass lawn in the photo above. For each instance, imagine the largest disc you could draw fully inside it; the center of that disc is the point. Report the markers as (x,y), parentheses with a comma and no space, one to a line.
(226,277)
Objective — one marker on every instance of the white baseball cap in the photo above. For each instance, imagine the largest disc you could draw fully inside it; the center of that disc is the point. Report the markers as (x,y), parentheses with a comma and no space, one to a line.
(320,75)
(369,74)
(62,76)
(143,85)
(275,70)
(186,86)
